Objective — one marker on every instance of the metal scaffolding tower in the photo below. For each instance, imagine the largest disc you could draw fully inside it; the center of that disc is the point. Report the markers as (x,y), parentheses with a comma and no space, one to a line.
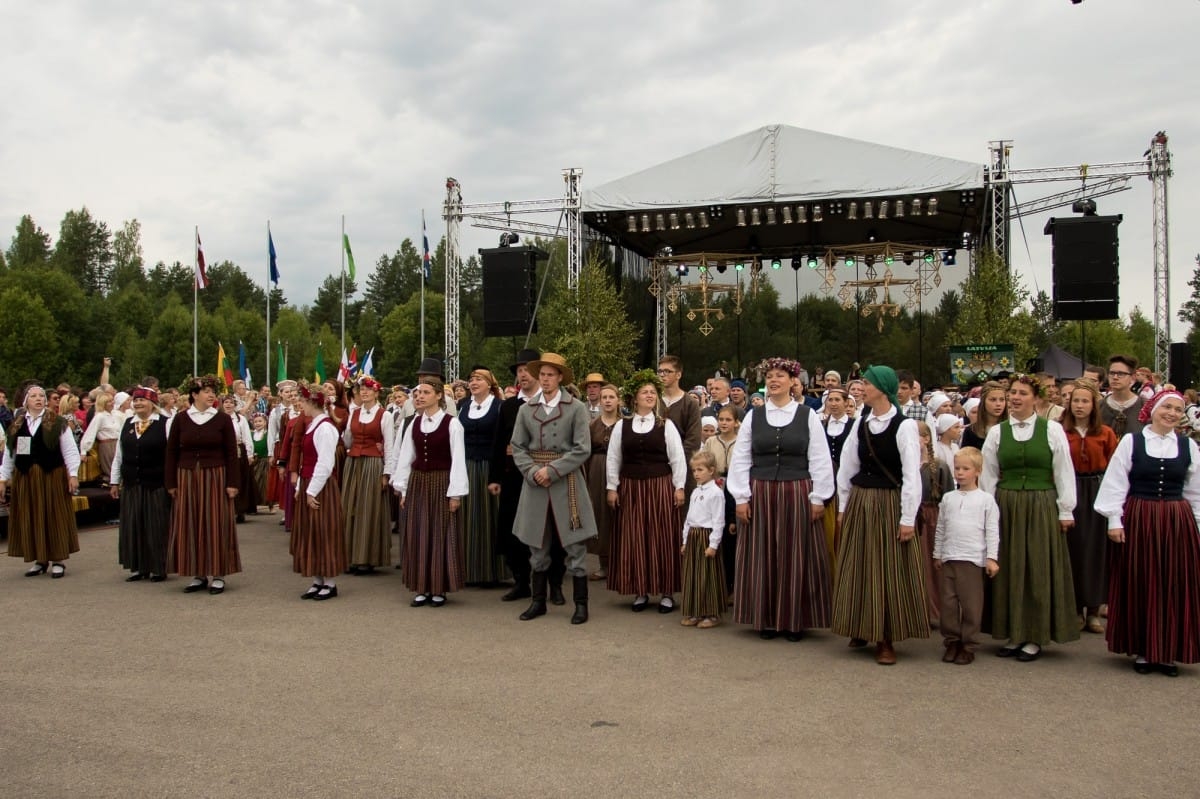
(452,212)
(1107,179)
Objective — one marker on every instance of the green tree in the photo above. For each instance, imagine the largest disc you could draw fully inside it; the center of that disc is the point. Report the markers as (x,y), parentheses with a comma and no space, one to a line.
(227,280)
(400,336)
(993,309)
(327,307)
(26,325)
(394,279)
(128,259)
(291,329)
(84,251)
(589,326)
(1046,327)
(177,280)
(30,246)
(1189,313)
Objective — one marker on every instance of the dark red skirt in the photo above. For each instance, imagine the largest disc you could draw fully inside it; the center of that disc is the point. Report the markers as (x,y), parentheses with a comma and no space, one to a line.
(431,549)
(644,556)
(1154,584)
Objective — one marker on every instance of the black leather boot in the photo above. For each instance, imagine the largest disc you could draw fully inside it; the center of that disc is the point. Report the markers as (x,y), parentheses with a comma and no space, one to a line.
(581,599)
(556,592)
(538,606)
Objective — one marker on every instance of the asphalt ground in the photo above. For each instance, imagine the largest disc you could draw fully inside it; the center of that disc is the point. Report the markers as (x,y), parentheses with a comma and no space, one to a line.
(136,689)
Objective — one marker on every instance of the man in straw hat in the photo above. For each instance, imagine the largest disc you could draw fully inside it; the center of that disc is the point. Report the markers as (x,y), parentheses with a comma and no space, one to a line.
(550,444)
(591,387)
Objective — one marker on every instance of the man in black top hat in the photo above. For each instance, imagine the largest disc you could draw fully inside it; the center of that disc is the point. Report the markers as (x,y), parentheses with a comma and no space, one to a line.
(505,480)
(431,367)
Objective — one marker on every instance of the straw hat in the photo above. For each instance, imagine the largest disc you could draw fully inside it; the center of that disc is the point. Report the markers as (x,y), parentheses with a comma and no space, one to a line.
(594,377)
(555,360)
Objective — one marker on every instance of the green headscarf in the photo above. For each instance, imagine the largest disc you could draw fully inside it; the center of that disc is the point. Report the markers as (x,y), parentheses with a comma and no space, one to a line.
(884,379)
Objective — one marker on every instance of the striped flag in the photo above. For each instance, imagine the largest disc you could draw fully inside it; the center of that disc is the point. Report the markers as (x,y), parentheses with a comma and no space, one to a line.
(426,259)
(224,370)
(201,269)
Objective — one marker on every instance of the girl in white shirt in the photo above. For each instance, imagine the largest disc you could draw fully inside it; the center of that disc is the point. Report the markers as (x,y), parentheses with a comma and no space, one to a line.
(319,549)
(703,575)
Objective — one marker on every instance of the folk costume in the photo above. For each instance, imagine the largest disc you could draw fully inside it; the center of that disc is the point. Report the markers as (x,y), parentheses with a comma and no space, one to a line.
(1087,541)
(320,543)
(139,468)
(480,421)
(365,496)
(703,577)
(597,484)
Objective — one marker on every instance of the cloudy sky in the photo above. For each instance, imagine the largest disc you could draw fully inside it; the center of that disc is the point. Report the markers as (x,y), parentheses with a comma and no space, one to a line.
(225,115)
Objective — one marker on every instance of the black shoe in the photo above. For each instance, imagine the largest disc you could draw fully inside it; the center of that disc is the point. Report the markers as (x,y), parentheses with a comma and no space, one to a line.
(157,578)
(767,635)
(556,595)
(312,591)
(1142,667)
(57,570)
(663,607)
(192,588)
(326,592)
(1029,657)
(241,518)
(1008,652)
(1169,669)
(794,635)
(538,606)
(135,577)
(640,604)
(518,591)
(580,586)
(437,601)
(418,601)
(217,587)
(36,569)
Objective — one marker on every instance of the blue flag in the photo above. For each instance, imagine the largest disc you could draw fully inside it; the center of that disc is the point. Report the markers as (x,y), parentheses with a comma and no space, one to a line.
(241,360)
(271,251)
(426,259)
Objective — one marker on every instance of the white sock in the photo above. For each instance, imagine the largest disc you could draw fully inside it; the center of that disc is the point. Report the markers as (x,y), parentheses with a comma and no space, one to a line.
(197,581)
(330,584)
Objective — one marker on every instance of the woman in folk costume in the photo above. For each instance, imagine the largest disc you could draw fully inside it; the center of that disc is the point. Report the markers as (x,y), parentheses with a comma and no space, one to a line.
(202,477)
(431,476)
(138,480)
(290,418)
(246,501)
(993,409)
(937,480)
(837,423)
(366,481)
(646,471)
(780,476)
(319,549)
(1151,496)
(41,462)
(479,414)
(601,428)
(880,590)
(262,457)
(1027,466)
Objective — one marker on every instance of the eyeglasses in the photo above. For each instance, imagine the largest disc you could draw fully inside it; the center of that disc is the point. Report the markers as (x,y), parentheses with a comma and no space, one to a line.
(666,371)
(1120,374)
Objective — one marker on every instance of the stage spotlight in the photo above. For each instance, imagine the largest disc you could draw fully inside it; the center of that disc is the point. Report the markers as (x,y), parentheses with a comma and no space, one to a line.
(755,217)
(908,258)
(814,260)
(966,198)
(771,215)
(660,222)
(797,260)
(741,217)
(703,269)
(674,221)
(949,257)
(721,267)
(889,260)
(928,257)
(850,261)
(776,263)
(869,260)
(786,213)
(509,238)
(916,206)
(883,209)
(739,266)
(868,210)
(801,214)
(689,219)
(899,209)
(716,211)
(632,219)
(853,210)
(835,209)
(681,270)
(645,223)
(966,240)
(933,206)
(817,213)
(871,236)
(704,219)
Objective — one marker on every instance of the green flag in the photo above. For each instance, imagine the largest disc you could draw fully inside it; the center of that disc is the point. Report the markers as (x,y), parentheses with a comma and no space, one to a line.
(349,255)
(280,366)
(319,368)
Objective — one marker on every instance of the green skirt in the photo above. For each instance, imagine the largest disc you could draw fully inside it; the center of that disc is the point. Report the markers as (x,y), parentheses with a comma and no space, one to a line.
(1033,596)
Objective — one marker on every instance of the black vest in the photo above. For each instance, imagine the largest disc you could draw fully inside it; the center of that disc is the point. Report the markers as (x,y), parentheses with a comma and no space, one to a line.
(871,472)
(644,455)
(47,456)
(479,434)
(837,442)
(779,453)
(143,460)
(1158,478)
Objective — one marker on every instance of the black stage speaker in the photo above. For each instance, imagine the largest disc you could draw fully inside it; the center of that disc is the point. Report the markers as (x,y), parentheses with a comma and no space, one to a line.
(1181,365)
(509,289)
(1085,266)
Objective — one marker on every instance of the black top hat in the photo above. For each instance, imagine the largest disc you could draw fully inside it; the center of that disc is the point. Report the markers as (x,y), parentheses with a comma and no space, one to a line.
(524,357)
(430,366)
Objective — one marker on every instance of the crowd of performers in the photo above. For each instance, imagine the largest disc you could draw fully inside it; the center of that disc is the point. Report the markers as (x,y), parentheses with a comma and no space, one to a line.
(1025,509)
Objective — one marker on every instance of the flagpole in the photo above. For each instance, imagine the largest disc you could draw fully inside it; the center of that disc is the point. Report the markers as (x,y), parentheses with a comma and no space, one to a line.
(421,278)
(267,374)
(195,302)
(343,249)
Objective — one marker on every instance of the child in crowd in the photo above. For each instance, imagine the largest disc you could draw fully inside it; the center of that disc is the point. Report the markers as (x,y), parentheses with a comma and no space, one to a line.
(703,575)
(967,545)
(937,480)
(720,447)
(262,460)
(708,427)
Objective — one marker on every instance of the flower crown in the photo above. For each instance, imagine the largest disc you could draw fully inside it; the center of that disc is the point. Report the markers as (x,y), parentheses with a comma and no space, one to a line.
(786,364)
(638,379)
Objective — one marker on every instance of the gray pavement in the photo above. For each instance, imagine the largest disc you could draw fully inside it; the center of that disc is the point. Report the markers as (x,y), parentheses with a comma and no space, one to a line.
(116,689)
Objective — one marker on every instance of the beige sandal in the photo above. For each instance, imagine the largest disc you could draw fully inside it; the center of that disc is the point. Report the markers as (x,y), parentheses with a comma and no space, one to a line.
(708,622)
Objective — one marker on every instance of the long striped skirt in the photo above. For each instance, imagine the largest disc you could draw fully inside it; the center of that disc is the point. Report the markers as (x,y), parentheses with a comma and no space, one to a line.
(782,561)
(644,556)
(484,564)
(597,485)
(830,528)
(703,577)
(320,545)
(203,532)
(1033,597)
(927,519)
(144,527)
(247,498)
(431,548)
(262,478)
(366,513)
(880,591)
(1154,589)
(1088,545)
(41,519)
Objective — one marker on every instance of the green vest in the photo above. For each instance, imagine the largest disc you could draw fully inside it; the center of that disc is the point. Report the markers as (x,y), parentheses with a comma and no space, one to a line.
(1026,465)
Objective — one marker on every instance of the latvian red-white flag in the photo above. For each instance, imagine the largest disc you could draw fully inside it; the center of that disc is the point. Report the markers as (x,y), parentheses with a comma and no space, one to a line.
(201,274)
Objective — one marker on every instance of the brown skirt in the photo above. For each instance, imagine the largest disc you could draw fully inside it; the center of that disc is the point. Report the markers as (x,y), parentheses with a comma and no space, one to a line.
(320,545)
(644,558)
(927,519)
(703,577)
(432,544)
(366,512)
(106,450)
(203,531)
(41,520)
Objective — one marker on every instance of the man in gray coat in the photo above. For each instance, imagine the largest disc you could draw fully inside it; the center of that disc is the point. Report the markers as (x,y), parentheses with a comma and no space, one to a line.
(550,443)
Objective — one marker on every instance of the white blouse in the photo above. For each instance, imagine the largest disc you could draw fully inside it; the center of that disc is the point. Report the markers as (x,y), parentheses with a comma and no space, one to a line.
(644,424)
(66,445)
(820,462)
(114,477)
(459,485)
(387,427)
(1114,488)
(105,426)
(1064,471)
(477,410)
(707,511)
(908,441)
(325,440)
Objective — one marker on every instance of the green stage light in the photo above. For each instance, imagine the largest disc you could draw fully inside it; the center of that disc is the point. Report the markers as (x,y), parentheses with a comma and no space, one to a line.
(776,263)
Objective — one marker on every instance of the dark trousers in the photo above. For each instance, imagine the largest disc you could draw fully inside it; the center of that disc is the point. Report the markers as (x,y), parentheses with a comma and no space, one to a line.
(962,603)
(516,554)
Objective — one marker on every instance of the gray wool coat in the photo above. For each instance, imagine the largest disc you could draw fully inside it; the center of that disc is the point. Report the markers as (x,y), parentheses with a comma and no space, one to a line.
(563,430)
